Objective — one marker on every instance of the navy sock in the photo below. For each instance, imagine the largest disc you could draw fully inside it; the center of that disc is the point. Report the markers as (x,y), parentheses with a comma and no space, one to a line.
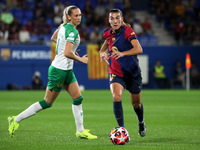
(118,111)
(139,112)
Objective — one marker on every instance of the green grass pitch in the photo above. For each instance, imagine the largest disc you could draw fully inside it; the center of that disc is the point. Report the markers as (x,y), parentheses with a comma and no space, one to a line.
(172,118)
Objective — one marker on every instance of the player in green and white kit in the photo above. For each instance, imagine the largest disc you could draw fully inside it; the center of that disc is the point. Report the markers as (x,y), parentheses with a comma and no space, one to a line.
(61,74)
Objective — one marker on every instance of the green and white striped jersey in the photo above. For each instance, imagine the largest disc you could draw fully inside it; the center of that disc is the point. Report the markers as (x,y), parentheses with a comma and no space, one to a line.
(66,33)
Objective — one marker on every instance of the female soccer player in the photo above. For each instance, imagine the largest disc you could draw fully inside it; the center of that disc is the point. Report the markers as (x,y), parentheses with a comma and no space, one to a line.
(124,69)
(61,74)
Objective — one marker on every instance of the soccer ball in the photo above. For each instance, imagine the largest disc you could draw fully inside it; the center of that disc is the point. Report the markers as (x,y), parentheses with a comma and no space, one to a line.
(119,136)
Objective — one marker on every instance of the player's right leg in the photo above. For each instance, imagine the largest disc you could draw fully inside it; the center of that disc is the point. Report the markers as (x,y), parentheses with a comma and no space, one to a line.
(72,88)
(117,87)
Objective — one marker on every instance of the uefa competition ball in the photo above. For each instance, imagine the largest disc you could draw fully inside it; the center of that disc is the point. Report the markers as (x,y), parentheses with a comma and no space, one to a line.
(119,136)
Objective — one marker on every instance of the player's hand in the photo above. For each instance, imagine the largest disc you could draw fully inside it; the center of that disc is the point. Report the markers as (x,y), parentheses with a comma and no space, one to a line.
(116,54)
(105,57)
(84,59)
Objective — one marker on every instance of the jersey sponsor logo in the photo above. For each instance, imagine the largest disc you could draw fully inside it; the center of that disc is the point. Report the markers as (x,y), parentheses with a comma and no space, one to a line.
(70,38)
(114,48)
(59,85)
(71,34)
(5,54)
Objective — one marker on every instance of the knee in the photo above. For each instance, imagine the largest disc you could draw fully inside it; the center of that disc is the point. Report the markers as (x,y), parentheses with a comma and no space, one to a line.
(77,101)
(117,97)
(44,104)
(136,105)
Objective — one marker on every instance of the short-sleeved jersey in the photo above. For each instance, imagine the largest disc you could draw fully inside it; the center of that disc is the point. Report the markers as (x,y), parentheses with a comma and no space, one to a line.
(66,33)
(127,65)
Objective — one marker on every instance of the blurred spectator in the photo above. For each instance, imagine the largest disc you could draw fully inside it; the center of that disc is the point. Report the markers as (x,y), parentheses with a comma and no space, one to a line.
(137,27)
(21,4)
(85,37)
(59,7)
(196,41)
(89,19)
(4,33)
(88,9)
(189,34)
(110,6)
(197,34)
(95,36)
(24,36)
(147,26)
(37,27)
(153,5)
(67,3)
(97,21)
(39,13)
(14,35)
(29,26)
(58,19)
(161,12)
(48,10)
(11,3)
(46,28)
(179,32)
(127,7)
(160,76)
(6,16)
(16,24)
(100,11)
(179,74)
(179,8)
(37,82)
(195,75)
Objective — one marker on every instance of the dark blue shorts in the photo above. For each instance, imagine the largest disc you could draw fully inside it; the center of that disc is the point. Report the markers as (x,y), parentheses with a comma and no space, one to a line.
(132,84)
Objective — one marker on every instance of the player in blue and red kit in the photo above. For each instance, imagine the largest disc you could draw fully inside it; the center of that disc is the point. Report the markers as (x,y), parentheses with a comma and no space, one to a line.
(124,68)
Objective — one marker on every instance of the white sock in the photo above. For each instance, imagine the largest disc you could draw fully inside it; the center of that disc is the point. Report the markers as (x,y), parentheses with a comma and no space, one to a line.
(30,111)
(78,116)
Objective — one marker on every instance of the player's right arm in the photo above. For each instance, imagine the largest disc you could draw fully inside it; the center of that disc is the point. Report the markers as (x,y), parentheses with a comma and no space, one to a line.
(68,53)
(102,53)
(55,34)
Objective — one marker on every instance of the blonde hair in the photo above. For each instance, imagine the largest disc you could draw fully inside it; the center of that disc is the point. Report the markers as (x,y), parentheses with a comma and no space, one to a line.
(68,11)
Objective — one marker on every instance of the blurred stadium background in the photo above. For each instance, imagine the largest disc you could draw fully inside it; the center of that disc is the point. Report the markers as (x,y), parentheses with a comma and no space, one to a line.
(166,29)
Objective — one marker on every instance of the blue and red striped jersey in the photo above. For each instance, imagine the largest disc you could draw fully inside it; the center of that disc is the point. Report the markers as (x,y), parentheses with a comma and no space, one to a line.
(127,65)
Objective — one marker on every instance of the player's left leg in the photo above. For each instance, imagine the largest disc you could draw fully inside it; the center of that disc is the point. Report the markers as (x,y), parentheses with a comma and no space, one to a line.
(74,92)
(134,86)
(138,107)
(47,102)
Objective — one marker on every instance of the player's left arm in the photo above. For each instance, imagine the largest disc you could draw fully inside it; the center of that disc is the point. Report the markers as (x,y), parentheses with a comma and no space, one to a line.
(137,49)
(54,36)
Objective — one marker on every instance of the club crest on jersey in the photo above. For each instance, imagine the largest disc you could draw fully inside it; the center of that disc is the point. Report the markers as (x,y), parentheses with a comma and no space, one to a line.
(59,85)
(132,33)
(114,48)
(112,76)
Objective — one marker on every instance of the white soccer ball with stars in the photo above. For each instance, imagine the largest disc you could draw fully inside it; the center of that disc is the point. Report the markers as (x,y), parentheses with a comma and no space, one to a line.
(119,136)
